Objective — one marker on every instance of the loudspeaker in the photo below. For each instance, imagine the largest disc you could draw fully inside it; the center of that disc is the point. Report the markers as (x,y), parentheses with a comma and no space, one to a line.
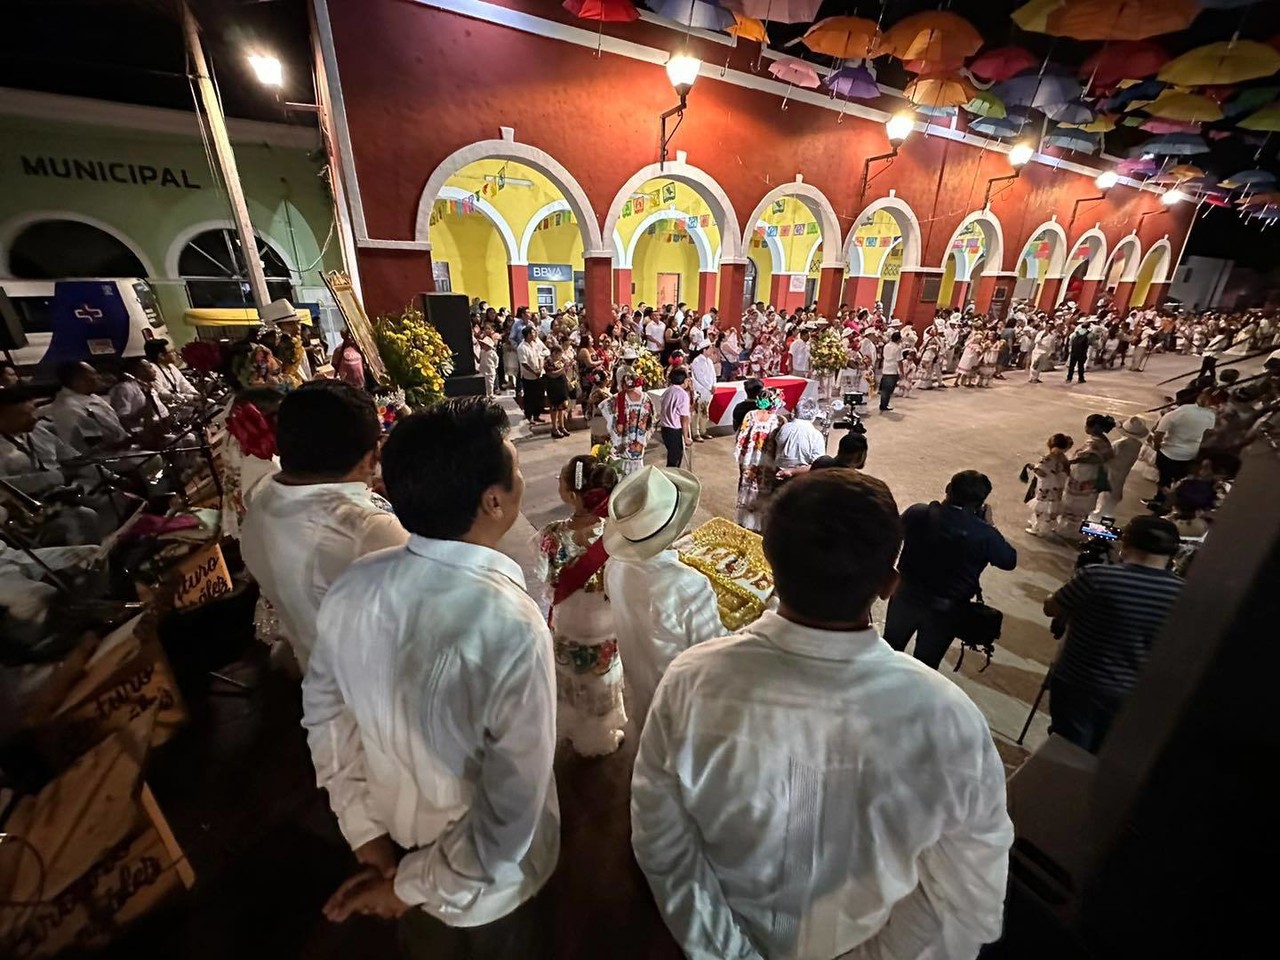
(448,313)
(12,336)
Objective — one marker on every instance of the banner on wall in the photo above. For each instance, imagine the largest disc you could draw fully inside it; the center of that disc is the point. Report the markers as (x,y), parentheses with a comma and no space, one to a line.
(785,231)
(770,231)
(796,284)
(813,229)
(779,206)
(668,192)
(551,272)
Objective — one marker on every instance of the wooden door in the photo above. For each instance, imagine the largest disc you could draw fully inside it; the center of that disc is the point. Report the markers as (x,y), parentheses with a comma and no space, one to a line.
(668,288)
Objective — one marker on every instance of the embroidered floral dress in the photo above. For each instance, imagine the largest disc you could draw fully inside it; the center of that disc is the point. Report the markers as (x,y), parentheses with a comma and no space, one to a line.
(629,433)
(753,462)
(1051,479)
(590,712)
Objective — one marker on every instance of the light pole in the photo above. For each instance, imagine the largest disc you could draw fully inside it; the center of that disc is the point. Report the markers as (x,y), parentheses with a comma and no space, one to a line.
(682,71)
(1019,155)
(897,128)
(227,159)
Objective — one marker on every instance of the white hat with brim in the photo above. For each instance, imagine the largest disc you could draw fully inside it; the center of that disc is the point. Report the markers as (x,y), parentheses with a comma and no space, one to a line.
(649,511)
(279,311)
(1135,427)
(629,354)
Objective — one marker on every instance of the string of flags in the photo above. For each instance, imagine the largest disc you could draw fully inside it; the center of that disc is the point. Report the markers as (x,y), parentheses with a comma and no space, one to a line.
(651,200)
(492,186)
(970,244)
(555,220)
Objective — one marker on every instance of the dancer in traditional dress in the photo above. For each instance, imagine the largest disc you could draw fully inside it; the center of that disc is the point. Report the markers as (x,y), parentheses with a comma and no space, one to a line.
(571,559)
(754,463)
(929,372)
(1088,475)
(1127,447)
(630,418)
(990,360)
(1051,478)
(1043,350)
(970,357)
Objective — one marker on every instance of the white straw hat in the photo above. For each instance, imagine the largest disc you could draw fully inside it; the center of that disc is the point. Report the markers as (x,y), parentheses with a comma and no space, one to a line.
(649,511)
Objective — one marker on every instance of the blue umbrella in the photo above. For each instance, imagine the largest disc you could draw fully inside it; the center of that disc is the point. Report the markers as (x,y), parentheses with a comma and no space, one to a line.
(1074,112)
(1249,177)
(693,13)
(937,111)
(1174,145)
(1038,90)
(1247,101)
(994,127)
(1076,140)
(1146,90)
(857,83)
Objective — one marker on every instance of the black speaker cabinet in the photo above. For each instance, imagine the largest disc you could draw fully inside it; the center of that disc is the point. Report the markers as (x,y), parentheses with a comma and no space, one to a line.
(12,336)
(448,313)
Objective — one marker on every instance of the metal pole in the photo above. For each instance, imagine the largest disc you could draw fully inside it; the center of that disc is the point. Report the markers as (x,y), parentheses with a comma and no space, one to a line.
(226,162)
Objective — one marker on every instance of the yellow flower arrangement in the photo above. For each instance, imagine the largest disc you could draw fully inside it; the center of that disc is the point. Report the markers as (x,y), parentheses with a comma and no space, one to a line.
(648,367)
(415,355)
(829,354)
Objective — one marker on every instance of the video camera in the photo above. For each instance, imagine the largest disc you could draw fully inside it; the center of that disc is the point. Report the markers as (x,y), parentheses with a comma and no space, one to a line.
(1099,538)
(849,404)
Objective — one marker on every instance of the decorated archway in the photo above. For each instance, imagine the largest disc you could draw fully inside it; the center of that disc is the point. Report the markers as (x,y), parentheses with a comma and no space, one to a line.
(1153,272)
(884,241)
(1040,265)
(975,250)
(1122,265)
(1084,267)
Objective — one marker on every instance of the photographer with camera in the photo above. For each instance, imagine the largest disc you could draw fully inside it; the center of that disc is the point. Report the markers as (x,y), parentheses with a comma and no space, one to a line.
(1112,612)
(945,548)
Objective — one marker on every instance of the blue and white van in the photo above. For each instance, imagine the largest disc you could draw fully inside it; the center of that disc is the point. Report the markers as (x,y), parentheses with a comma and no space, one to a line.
(82,319)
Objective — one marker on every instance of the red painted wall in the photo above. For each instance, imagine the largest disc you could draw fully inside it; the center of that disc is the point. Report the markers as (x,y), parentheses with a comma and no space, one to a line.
(420,83)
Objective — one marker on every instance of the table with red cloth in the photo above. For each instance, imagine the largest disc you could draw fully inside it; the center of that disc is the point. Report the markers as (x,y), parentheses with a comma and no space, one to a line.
(729,394)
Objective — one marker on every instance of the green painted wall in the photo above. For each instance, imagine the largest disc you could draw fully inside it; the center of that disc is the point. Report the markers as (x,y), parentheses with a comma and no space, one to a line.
(288,202)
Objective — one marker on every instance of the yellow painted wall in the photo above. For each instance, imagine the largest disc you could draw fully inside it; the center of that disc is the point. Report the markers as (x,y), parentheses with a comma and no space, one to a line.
(476,256)
(1146,273)
(890,269)
(948,280)
(562,244)
(884,229)
(654,257)
(686,202)
(764,272)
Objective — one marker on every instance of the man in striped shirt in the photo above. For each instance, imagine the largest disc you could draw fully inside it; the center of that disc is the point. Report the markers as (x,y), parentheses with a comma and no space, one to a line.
(1113,613)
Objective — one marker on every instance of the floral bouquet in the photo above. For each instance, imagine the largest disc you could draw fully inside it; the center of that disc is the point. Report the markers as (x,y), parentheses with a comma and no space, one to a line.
(415,355)
(829,355)
(205,356)
(604,453)
(647,366)
(390,408)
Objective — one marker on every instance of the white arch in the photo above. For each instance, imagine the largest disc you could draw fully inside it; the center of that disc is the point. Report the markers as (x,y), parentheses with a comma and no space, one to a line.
(808,259)
(493,216)
(1131,263)
(777,258)
(702,183)
(1057,251)
(907,222)
(816,202)
(1161,248)
(555,206)
(189,233)
(1097,260)
(700,241)
(992,233)
(540,160)
(16,224)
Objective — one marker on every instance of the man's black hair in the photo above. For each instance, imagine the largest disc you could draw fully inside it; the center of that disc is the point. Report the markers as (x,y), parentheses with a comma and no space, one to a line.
(969,488)
(753,388)
(12,396)
(853,446)
(832,538)
(69,372)
(1152,535)
(438,463)
(677,376)
(154,349)
(324,428)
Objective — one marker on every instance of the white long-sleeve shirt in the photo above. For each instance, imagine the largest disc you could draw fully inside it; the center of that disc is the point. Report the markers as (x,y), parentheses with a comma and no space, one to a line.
(810,794)
(85,421)
(661,607)
(704,377)
(430,712)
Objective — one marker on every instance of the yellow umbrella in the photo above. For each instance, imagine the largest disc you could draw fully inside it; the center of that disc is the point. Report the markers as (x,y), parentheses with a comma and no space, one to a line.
(748,28)
(1184,171)
(1191,107)
(940,91)
(1120,19)
(1103,123)
(1034,16)
(845,38)
(935,35)
(1268,119)
(1219,64)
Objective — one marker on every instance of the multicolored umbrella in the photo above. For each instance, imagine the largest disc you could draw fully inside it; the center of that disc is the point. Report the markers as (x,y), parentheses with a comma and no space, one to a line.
(693,13)
(1157,125)
(994,127)
(606,11)
(1268,119)
(1076,140)
(1102,123)
(1119,19)
(1002,63)
(856,83)
(845,38)
(748,28)
(1175,145)
(796,72)
(938,36)
(1215,64)
(1173,105)
(1184,171)
(987,104)
(1129,60)
(940,91)
(779,11)
(1125,98)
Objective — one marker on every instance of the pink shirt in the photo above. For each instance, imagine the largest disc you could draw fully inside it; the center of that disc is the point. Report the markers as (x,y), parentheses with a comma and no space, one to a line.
(675,404)
(349,366)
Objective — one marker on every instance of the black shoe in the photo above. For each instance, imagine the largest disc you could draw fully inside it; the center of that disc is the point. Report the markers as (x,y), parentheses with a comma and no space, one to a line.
(886,409)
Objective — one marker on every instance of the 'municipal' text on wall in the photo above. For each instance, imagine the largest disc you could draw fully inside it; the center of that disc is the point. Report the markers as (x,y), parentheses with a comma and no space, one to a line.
(107,171)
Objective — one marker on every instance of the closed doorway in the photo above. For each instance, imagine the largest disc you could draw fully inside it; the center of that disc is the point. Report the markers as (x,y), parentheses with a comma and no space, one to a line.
(668,288)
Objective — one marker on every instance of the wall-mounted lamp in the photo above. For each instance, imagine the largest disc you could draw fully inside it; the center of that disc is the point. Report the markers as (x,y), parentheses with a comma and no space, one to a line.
(1107,179)
(897,128)
(1020,155)
(1104,182)
(268,70)
(682,71)
(1171,196)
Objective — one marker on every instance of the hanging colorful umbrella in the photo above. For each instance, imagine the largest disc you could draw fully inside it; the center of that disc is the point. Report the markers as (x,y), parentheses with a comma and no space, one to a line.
(1128,60)
(856,83)
(606,11)
(987,104)
(795,72)
(932,66)
(693,13)
(1120,19)
(1247,101)
(1134,93)
(994,127)
(1268,119)
(779,11)
(1074,113)
(1038,90)
(1002,63)
(940,91)
(1175,145)
(938,36)
(1034,16)
(845,38)
(1136,167)
(748,28)
(1102,123)
(928,111)
(1214,64)
(1173,105)
(1157,125)
(1247,178)
(1184,171)
(1076,140)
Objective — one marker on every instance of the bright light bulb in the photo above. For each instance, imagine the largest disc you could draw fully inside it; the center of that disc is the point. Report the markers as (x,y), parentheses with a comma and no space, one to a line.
(1020,153)
(1171,196)
(1107,179)
(899,126)
(682,70)
(268,70)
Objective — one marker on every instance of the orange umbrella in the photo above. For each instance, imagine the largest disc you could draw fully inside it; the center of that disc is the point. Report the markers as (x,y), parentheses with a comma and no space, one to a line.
(748,28)
(935,35)
(1184,171)
(940,91)
(1120,19)
(845,38)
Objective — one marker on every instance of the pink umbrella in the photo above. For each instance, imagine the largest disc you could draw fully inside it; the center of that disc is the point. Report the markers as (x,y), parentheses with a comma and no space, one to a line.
(1158,125)
(779,11)
(1002,63)
(796,72)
